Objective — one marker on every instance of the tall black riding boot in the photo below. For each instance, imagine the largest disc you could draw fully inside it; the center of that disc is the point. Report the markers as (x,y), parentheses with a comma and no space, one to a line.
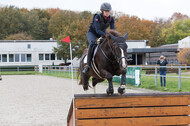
(89,58)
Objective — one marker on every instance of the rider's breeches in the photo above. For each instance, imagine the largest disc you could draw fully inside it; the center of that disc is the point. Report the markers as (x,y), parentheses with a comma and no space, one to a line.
(91,38)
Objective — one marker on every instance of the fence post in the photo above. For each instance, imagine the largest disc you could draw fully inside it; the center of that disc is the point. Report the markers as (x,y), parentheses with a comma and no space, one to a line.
(42,69)
(75,72)
(48,69)
(69,71)
(51,70)
(179,72)
(45,69)
(17,70)
(55,70)
(155,75)
(59,70)
(64,71)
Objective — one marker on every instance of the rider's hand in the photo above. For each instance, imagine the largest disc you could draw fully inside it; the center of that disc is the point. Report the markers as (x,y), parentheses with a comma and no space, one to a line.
(99,40)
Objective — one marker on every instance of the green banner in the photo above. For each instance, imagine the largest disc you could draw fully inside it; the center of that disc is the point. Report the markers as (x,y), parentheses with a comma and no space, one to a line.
(133,76)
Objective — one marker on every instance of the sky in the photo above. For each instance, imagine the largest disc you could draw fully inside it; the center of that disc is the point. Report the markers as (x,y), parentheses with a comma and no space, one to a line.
(147,9)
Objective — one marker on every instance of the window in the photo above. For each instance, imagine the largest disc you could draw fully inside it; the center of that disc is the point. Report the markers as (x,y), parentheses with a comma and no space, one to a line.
(29,46)
(23,57)
(52,56)
(11,58)
(17,59)
(41,56)
(4,57)
(46,56)
(29,57)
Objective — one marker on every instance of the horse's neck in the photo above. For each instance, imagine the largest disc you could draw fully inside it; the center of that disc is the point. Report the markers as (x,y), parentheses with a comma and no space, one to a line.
(106,46)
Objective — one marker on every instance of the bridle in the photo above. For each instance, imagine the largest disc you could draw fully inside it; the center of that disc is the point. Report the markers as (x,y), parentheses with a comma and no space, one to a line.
(116,58)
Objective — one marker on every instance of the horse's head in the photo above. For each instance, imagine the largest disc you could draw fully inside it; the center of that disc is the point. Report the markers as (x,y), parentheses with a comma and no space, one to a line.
(119,47)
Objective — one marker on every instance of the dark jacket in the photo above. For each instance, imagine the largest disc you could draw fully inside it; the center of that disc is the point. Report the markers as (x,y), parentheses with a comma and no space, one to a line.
(162,63)
(99,25)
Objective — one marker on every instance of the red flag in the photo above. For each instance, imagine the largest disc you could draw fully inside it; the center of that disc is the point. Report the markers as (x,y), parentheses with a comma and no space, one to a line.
(66,39)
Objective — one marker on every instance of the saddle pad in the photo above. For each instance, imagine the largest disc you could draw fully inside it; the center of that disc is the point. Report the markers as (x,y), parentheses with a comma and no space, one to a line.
(94,53)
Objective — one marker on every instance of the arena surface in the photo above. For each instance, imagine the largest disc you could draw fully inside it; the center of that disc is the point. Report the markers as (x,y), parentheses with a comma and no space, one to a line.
(35,100)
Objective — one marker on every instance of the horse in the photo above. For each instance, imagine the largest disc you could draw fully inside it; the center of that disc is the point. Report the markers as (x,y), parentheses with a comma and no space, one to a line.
(109,59)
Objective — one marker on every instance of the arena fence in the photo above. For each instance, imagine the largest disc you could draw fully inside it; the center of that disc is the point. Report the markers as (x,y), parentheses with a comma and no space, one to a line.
(132,75)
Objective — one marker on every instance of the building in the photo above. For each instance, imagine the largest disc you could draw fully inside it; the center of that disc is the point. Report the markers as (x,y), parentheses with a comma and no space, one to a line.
(133,53)
(184,43)
(142,54)
(28,52)
(170,51)
(40,52)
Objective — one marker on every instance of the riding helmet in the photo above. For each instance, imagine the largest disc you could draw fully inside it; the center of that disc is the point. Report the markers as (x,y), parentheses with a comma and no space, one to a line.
(105,7)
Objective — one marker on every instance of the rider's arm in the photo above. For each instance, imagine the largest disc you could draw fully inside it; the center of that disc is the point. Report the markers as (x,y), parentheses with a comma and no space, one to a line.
(97,26)
(112,23)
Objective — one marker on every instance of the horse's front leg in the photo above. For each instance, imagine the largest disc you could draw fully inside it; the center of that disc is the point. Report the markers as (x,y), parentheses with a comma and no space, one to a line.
(121,89)
(110,89)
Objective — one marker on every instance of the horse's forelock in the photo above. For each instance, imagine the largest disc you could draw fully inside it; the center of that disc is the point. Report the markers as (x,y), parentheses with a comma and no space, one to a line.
(113,32)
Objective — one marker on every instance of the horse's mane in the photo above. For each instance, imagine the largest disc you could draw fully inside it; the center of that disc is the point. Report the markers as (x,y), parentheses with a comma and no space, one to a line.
(113,32)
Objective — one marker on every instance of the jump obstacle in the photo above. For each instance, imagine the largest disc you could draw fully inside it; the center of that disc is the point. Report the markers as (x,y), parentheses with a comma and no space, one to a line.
(140,109)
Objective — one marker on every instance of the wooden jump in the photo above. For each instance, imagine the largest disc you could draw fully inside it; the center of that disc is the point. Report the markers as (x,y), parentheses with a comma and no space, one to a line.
(0,77)
(142,109)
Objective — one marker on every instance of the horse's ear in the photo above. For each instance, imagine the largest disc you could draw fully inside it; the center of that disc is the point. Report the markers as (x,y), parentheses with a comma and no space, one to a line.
(125,36)
(112,37)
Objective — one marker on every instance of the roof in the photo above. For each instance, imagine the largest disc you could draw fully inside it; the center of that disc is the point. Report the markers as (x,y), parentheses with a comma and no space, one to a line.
(11,41)
(151,50)
(136,40)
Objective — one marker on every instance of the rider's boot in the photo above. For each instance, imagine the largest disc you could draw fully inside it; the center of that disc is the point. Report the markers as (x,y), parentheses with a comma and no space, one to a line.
(89,58)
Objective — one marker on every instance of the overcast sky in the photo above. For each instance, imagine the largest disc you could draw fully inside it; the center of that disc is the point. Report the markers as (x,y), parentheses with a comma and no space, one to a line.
(147,9)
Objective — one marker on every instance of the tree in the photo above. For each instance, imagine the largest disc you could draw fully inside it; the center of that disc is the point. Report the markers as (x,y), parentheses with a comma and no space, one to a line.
(178,16)
(138,29)
(75,26)
(40,30)
(13,20)
(184,56)
(19,36)
(178,30)
(38,22)
(60,21)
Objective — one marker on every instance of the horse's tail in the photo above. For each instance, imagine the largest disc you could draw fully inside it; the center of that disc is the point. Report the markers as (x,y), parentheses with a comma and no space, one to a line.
(79,76)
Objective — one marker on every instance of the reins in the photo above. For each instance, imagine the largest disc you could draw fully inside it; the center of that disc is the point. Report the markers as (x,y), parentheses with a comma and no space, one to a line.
(104,52)
(117,59)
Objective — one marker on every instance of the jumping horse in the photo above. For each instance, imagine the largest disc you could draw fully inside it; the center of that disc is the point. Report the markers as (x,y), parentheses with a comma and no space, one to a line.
(109,59)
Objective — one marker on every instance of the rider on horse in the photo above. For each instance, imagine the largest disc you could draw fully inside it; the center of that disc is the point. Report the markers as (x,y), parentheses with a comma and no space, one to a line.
(97,29)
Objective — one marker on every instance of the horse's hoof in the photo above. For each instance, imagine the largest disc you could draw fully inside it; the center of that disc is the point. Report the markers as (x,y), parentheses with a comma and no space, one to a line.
(121,91)
(109,92)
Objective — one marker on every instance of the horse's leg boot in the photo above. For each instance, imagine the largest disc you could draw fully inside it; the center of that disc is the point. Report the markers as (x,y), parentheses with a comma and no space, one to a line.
(89,59)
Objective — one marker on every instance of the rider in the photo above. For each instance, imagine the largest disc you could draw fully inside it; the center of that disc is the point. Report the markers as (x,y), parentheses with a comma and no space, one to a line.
(97,29)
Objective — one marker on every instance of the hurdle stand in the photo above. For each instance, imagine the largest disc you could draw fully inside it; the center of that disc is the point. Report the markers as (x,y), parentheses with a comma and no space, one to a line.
(131,109)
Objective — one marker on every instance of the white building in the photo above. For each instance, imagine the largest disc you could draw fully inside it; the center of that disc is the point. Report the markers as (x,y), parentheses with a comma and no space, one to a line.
(184,43)
(40,52)
(28,52)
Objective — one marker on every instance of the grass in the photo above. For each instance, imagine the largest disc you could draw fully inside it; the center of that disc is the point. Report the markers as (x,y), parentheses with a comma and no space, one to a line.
(18,73)
(147,82)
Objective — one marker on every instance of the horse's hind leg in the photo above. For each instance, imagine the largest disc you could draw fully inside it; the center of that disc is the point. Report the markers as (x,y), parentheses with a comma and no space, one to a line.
(94,82)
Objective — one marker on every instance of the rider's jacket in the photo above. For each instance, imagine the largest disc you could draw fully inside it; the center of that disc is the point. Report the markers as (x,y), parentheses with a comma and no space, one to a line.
(99,24)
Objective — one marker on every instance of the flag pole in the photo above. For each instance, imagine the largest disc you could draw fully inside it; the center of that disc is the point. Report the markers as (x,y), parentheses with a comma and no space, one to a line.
(73,90)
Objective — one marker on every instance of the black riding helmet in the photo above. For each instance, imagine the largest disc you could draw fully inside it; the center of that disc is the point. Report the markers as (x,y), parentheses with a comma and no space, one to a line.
(105,7)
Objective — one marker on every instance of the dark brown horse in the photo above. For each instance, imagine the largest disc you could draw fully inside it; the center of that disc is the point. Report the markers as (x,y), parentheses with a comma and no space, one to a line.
(110,58)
